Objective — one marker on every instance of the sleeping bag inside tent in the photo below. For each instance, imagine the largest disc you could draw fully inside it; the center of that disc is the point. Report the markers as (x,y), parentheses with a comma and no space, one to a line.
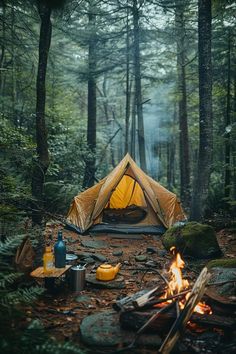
(125,201)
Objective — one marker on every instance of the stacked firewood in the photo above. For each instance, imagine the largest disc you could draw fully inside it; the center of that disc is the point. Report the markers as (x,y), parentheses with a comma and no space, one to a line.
(152,308)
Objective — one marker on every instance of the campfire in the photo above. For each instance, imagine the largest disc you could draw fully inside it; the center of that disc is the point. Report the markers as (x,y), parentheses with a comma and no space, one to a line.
(168,309)
(171,307)
(177,286)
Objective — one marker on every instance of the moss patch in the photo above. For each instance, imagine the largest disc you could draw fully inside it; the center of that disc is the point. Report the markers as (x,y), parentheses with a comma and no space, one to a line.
(224,263)
(193,239)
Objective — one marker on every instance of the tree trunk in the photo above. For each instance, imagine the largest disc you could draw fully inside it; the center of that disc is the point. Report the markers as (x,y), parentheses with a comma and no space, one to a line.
(227,180)
(109,120)
(234,136)
(2,57)
(42,161)
(171,163)
(202,178)
(182,102)
(90,168)
(138,86)
(133,131)
(13,64)
(128,93)
(168,165)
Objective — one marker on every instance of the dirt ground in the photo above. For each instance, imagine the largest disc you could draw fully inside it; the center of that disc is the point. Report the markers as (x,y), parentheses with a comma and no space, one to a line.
(62,312)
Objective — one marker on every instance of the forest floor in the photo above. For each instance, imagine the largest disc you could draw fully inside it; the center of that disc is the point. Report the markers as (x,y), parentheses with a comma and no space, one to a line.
(62,312)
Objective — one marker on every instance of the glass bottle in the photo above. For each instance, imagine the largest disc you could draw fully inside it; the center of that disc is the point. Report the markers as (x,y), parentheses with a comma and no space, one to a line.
(48,260)
(60,251)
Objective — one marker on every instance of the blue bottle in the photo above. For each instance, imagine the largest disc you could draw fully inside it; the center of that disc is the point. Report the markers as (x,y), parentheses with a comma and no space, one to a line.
(60,251)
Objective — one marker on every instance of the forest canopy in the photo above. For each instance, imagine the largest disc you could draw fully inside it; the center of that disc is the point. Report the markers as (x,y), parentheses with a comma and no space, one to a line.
(84,82)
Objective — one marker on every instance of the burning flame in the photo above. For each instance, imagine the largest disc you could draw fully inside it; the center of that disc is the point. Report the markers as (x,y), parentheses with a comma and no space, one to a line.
(178,284)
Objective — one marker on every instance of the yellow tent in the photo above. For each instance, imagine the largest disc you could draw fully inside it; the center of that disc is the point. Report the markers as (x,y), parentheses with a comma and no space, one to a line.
(126,200)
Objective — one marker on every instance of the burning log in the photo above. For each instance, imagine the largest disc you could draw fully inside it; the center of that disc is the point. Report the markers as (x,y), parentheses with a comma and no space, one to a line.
(142,297)
(180,323)
(136,319)
(147,324)
(150,302)
(146,298)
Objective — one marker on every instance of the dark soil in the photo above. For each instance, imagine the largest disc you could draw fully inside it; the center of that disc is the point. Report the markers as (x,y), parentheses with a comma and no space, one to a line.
(62,312)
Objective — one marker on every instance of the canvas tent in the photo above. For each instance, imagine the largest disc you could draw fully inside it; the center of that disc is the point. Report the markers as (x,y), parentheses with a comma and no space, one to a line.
(127,200)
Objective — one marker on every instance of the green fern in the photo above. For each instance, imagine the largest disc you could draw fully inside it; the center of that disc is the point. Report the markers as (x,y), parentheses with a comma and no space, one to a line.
(35,338)
(51,347)
(7,279)
(9,246)
(11,298)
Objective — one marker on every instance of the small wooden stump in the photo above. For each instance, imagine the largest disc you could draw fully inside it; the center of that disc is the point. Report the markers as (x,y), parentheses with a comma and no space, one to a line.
(55,273)
(49,279)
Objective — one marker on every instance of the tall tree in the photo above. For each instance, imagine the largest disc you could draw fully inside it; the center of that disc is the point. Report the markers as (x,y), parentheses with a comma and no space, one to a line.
(227,179)
(202,177)
(2,57)
(41,163)
(138,84)
(234,131)
(90,168)
(182,103)
(128,86)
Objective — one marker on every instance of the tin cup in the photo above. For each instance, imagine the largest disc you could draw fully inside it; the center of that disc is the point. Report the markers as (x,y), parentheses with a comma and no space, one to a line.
(77,277)
(71,258)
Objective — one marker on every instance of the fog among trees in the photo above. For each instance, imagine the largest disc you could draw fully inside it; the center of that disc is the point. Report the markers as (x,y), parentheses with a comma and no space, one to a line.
(84,82)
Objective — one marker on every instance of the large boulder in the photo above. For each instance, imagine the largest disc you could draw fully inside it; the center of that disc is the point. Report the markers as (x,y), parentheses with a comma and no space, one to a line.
(226,278)
(193,239)
(103,329)
(222,284)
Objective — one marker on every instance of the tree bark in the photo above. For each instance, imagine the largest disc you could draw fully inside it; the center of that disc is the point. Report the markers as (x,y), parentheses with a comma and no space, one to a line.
(138,86)
(227,179)
(2,56)
(202,177)
(128,93)
(133,130)
(13,64)
(90,168)
(233,137)
(182,103)
(109,120)
(41,163)
(171,164)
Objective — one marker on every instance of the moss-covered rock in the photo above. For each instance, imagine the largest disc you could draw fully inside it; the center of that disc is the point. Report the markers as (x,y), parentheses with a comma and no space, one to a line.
(193,239)
(223,263)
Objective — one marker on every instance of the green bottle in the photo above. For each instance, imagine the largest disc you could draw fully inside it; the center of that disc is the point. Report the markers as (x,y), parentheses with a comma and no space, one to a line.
(60,251)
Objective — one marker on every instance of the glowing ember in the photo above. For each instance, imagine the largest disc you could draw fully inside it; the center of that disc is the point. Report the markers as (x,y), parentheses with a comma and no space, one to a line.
(203,308)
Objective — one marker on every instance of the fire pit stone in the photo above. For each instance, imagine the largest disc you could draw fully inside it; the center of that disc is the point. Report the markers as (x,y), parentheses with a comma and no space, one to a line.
(103,330)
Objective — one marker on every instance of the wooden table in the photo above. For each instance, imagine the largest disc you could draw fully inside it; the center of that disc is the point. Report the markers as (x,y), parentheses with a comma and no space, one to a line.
(49,279)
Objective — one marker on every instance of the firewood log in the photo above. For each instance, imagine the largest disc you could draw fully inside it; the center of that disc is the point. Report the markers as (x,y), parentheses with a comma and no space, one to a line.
(180,323)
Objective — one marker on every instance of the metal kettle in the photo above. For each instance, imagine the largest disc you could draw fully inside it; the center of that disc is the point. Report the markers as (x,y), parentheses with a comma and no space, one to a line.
(107,272)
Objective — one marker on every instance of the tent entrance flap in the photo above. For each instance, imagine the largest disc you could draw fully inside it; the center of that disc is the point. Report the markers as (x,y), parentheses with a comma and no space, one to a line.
(128,192)
(127,204)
